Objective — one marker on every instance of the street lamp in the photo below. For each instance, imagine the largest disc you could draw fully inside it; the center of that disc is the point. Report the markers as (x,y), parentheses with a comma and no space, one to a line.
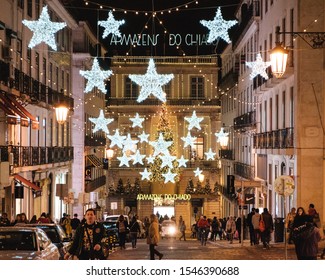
(223,138)
(61,112)
(109,155)
(201,178)
(279,55)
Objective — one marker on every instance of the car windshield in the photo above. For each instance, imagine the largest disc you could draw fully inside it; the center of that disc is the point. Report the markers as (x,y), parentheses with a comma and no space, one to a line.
(51,234)
(18,240)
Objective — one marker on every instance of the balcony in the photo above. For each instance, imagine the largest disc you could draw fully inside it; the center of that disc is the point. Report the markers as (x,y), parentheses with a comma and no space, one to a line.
(226,154)
(95,184)
(32,156)
(94,141)
(244,170)
(277,139)
(245,121)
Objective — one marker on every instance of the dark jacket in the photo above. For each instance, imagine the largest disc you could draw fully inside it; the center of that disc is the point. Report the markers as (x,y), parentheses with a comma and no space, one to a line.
(134,226)
(125,226)
(77,244)
(268,220)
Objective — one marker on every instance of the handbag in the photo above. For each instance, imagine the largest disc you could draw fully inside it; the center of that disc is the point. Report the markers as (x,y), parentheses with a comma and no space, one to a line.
(261,225)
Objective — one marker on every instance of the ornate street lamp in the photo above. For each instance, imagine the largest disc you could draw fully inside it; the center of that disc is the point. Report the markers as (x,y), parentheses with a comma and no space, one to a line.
(109,155)
(223,138)
(201,178)
(61,112)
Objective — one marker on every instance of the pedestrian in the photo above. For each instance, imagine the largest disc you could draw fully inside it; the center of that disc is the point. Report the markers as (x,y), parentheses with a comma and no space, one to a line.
(182,228)
(67,226)
(204,228)
(4,221)
(23,218)
(122,227)
(289,224)
(230,229)
(75,222)
(214,229)
(86,244)
(43,219)
(33,220)
(153,238)
(134,231)
(238,228)
(256,225)
(250,226)
(314,214)
(266,234)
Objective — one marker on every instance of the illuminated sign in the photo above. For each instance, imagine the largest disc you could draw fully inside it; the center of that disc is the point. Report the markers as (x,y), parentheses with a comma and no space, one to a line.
(163,196)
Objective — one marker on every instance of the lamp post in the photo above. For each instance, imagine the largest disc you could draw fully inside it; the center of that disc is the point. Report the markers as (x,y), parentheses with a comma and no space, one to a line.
(61,112)
(109,155)
(201,178)
(223,138)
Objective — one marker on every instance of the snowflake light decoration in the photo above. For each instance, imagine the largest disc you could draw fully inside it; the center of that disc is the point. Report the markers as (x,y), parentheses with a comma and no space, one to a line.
(197,172)
(150,159)
(138,158)
(145,174)
(151,83)
(101,122)
(144,137)
(258,67)
(188,140)
(124,160)
(182,161)
(210,154)
(169,177)
(137,121)
(167,160)
(218,27)
(194,121)
(129,144)
(111,25)
(161,146)
(43,29)
(116,139)
(95,77)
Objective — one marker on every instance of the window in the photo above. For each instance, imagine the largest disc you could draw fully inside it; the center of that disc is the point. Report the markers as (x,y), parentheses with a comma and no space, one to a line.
(57,78)
(266,5)
(167,90)
(44,132)
(51,75)
(277,111)
(283,109)
(29,61)
(291,108)
(37,66)
(197,87)
(20,4)
(30,8)
(37,8)
(62,81)
(131,89)
(197,152)
(44,71)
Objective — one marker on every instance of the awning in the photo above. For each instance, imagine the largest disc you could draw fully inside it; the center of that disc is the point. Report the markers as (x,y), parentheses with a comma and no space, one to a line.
(25,182)
(95,161)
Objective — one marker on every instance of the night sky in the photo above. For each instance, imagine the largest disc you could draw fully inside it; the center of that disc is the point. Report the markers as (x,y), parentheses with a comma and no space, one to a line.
(183,26)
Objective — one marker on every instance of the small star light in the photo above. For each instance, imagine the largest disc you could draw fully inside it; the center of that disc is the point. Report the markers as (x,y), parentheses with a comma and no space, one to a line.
(111,25)
(144,137)
(138,158)
(160,146)
(151,83)
(124,160)
(197,172)
(101,122)
(169,177)
(210,154)
(130,144)
(194,121)
(188,140)
(95,77)
(43,29)
(145,174)
(182,161)
(150,159)
(258,67)
(167,160)
(137,121)
(116,139)
(218,27)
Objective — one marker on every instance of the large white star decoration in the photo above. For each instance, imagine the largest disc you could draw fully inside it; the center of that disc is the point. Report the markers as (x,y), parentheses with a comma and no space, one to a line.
(258,67)
(111,25)
(169,177)
(197,172)
(218,27)
(124,160)
(210,154)
(167,160)
(194,121)
(95,77)
(101,122)
(188,140)
(145,174)
(221,135)
(151,83)
(182,161)
(138,158)
(160,146)
(150,159)
(116,139)
(43,29)
(129,144)
(137,121)
(144,137)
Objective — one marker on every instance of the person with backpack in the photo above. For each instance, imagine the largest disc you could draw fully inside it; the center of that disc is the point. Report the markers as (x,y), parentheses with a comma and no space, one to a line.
(134,230)
(122,226)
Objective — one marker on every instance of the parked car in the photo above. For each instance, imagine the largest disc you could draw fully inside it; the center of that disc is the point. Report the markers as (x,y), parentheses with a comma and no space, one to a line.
(26,243)
(168,229)
(114,218)
(57,235)
(112,231)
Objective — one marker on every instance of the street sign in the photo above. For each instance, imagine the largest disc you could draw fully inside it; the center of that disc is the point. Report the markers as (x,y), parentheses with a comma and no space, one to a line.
(251,184)
(249,198)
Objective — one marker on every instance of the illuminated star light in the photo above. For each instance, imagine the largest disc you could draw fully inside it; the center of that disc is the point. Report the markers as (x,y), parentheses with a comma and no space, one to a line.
(144,137)
(169,177)
(182,161)
(210,154)
(258,67)
(189,140)
(145,174)
(150,159)
(95,77)
(218,27)
(129,144)
(221,134)
(197,172)
(137,121)
(43,29)
(111,25)
(160,146)
(151,83)
(101,122)
(138,158)
(194,121)
(167,160)
(124,160)
(116,139)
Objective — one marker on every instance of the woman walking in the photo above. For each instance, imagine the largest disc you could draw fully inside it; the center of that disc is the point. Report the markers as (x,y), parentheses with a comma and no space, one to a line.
(153,237)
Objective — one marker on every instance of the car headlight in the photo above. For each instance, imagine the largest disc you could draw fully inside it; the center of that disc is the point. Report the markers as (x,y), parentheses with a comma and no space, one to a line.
(172,230)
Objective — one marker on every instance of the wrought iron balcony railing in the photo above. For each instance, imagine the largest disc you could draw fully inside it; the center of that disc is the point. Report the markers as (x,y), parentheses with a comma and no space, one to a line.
(245,120)
(277,139)
(244,170)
